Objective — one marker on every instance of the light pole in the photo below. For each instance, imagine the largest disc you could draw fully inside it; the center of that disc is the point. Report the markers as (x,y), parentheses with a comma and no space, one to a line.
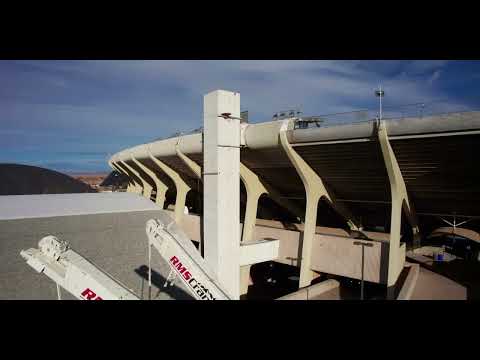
(380,93)
(362,244)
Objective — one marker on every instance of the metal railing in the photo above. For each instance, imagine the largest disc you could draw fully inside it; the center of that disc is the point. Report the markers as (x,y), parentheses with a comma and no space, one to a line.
(180,133)
(440,108)
(418,110)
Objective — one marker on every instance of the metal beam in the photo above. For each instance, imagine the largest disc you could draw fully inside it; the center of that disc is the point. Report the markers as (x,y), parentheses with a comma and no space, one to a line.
(180,185)
(161,188)
(400,201)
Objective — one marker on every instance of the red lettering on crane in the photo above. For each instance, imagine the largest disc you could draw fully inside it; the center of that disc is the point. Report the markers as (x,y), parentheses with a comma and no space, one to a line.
(88,294)
(180,267)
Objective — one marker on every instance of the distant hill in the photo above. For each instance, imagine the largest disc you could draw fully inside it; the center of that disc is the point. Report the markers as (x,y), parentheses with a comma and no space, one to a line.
(92,179)
(18,179)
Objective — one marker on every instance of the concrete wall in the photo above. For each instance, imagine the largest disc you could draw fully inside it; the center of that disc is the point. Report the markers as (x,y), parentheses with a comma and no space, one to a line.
(333,254)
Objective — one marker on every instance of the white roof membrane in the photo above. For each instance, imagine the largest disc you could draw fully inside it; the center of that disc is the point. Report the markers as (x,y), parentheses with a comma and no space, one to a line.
(51,205)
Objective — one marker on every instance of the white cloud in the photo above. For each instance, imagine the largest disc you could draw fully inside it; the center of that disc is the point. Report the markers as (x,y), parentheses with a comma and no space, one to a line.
(266,86)
(426,66)
(435,76)
(110,105)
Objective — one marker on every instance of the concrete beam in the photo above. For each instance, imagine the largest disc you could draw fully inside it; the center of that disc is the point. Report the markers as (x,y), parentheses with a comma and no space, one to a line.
(147,183)
(197,170)
(221,178)
(146,187)
(252,183)
(180,185)
(161,188)
(255,189)
(192,165)
(410,282)
(314,190)
(333,250)
(255,252)
(400,201)
(116,168)
(130,185)
(312,292)
(134,186)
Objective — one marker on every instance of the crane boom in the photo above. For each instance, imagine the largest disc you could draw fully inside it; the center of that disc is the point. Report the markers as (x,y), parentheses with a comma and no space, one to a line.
(77,275)
(184,259)
(73,272)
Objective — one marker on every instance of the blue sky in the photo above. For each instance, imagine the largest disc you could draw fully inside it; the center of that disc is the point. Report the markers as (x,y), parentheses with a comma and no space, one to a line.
(70,116)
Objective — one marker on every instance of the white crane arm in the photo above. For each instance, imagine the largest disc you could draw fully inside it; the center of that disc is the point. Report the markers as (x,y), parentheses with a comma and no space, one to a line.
(85,281)
(73,272)
(184,259)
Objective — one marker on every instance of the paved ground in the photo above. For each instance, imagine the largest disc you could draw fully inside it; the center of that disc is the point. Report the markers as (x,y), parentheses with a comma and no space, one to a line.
(432,286)
(117,243)
(466,273)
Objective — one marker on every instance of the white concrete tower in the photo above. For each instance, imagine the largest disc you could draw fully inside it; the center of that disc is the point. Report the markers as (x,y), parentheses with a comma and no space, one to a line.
(221,178)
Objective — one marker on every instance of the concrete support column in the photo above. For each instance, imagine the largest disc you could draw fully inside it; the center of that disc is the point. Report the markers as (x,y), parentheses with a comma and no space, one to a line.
(180,185)
(197,170)
(221,178)
(192,165)
(133,185)
(255,189)
(135,182)
(161,188)
(147,188)
(314,190)
(245,279)
(400,201)
(130,187)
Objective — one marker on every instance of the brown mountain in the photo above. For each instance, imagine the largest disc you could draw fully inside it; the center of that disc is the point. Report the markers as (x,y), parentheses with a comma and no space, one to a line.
(27,180)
